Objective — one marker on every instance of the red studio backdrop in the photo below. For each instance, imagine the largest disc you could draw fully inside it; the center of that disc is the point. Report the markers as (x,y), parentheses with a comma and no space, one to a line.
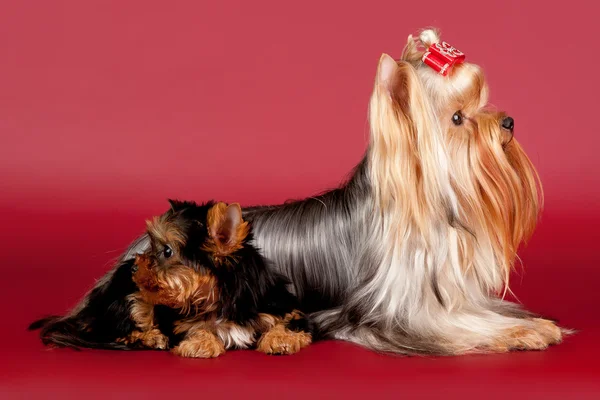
(108,108)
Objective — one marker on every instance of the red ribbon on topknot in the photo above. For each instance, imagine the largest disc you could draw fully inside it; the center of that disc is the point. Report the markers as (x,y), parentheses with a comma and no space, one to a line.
(442,57)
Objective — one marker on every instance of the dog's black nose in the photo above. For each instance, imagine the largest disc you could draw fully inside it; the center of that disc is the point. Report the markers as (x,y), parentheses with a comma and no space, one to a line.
(508,123)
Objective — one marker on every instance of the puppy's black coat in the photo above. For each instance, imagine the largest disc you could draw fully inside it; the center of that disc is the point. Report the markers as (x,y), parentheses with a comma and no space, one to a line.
(247,287)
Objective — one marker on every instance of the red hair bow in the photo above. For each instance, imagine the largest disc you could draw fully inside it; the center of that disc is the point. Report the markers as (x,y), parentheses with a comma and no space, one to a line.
(442,57)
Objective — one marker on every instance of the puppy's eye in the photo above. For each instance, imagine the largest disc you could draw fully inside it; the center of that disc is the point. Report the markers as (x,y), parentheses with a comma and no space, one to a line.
(457,118)
(167,252)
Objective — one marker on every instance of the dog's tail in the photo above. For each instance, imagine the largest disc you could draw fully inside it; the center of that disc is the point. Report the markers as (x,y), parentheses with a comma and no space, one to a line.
(59,331)
(40,323)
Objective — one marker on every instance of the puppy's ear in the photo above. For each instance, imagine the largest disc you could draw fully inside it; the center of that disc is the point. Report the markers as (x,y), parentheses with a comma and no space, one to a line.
(175,204)
(226,228)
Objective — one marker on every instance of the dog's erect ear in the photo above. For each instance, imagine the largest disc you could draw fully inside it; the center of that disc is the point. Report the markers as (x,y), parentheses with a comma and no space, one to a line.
(396,78)
(387,71)
(415,167)
(226,228)
(176,204)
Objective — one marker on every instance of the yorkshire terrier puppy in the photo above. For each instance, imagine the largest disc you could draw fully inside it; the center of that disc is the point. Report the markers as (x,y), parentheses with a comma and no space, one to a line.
(199,289)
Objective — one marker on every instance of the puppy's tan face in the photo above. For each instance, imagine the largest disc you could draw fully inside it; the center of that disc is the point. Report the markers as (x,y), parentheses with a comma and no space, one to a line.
(186,244)
(164,276)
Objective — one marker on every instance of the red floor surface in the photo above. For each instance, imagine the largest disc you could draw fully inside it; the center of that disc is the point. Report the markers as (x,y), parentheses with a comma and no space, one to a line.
(108,107)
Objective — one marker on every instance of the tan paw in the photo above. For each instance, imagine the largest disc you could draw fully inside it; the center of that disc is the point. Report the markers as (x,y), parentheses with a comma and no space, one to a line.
(537,336)
(280,340)
(156,340)
(152,339)
(200,344)
(551,333)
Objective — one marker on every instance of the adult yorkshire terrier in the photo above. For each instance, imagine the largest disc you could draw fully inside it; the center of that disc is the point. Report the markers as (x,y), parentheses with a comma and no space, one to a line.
(413,253)
(199,288)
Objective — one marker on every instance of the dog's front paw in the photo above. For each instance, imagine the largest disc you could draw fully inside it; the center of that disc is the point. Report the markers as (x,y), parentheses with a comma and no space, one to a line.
(200,344)
(537,335)
(551,333)
(280,340)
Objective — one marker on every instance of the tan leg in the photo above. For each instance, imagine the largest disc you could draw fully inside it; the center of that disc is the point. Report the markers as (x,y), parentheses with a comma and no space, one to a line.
(143,315)
(200,344)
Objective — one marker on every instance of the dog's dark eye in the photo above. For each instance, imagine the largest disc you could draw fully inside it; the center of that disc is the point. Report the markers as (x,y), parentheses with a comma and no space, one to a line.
(167,252)
(457,118)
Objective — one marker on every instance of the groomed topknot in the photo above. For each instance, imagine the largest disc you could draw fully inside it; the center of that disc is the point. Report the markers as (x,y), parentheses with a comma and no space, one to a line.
(429,36)
(416,46)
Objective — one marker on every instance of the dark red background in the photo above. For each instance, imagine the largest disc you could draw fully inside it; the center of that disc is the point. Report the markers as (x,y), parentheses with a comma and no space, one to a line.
(109,107)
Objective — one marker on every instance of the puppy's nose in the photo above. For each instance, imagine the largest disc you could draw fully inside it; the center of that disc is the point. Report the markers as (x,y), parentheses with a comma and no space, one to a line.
(508,123)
